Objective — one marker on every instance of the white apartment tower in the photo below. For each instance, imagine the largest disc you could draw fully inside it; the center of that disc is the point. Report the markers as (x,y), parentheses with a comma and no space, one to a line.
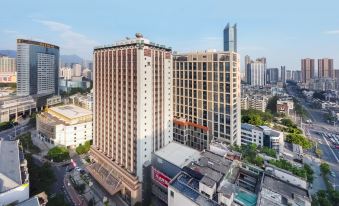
(132,112)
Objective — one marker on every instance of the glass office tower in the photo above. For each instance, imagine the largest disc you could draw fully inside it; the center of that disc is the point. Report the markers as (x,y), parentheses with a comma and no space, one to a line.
(230,38)
(37,68)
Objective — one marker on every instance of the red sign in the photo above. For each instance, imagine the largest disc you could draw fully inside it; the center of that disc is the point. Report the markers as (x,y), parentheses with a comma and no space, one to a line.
(160,177)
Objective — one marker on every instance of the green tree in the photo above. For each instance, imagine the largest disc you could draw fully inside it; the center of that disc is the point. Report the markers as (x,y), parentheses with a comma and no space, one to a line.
(300,140)
(58,154)
(325,168)
(272,105)
(82,149)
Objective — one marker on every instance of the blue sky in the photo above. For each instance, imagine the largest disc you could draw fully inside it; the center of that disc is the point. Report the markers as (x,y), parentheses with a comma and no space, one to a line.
(283,31)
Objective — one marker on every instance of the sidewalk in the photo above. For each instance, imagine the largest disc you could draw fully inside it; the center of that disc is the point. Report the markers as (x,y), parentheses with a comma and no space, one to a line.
(75,197)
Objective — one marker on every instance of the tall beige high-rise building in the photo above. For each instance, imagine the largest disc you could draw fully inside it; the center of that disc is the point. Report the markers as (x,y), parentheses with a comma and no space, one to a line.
(132,112)
(206,101)
(325,68)
(307,69)
(7,70)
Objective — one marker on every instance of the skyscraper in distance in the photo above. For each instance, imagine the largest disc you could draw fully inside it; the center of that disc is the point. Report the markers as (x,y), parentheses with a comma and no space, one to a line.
(230,38)
(37,68)
(256,73)
(206,98)
(283,74)
(132,112)
(325,68)
(307,69)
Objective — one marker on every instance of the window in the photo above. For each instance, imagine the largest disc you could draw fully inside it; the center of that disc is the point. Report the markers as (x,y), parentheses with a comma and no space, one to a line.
(172,193)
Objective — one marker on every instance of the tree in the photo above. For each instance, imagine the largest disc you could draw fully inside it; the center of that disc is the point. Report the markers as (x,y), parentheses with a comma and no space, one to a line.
(256,117)
(82,149)
(319,95)
(325,168)
(288,123)
(300,140)
(58,154)
(272,105)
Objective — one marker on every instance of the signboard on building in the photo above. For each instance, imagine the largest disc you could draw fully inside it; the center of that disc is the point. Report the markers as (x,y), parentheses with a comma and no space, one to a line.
(160,177)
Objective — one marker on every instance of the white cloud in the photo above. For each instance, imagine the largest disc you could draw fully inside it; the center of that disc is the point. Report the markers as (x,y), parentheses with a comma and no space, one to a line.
(71,42)
(332,32)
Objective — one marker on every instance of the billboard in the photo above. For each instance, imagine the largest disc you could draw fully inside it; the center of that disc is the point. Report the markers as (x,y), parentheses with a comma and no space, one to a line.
(160,177)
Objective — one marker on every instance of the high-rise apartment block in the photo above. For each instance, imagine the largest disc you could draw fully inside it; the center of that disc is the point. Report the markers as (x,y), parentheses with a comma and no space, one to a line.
(7,70)
(307,69)
(272,75)
(297,76)
(256,73)
(283,74)
(230,38)
(37,68)
(336,73)
(132,112)
(77,70)
(288,74)
(206,98)
(325,68)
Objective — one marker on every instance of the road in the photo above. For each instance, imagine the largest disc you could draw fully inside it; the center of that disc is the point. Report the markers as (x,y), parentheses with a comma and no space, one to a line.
(315,132)
(9,134)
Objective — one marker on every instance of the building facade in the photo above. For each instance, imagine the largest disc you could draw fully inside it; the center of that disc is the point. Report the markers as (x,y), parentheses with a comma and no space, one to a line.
(37,68)
(307,70)
(132,112)
(297,76)
(261,136)
(7,70)
(283,74)
(66,125)
(14,177)
(206,100)
(272,75)
(66,72)
(256,73)
(230,38)
(325,68)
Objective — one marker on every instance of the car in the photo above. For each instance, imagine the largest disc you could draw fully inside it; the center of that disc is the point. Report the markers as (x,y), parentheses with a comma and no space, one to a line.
(78,169)
(333,174)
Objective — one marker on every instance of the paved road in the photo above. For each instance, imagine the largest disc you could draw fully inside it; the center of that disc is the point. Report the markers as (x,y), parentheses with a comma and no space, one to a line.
(115,200)
(9,134)
(314,131)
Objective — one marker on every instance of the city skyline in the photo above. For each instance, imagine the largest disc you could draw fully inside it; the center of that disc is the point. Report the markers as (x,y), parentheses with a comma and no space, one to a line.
(284,40)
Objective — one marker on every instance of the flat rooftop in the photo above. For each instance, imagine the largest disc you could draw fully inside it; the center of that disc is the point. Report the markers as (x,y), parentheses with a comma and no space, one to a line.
(189,187)
(10,172)
(70,111)
(178,154)
(284,188)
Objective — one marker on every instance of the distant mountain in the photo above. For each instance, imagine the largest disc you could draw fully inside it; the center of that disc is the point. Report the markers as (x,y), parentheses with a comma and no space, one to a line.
(69,59)
(9,53)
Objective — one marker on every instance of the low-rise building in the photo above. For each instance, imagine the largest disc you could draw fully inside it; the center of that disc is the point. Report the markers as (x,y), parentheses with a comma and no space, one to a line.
(84,101)
(258,102)
(167,163)
(66,85)
(214,180)
(285,106)
(14,178)
(67,125)
(13,106)
(278,192)
(262,136)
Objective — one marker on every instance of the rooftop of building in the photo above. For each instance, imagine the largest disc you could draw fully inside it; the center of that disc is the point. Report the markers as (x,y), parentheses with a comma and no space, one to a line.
(70,111)
(138,40)
(249,127)
(178,154)
(188,185)
(283,188)
(10,172)
(36,43)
